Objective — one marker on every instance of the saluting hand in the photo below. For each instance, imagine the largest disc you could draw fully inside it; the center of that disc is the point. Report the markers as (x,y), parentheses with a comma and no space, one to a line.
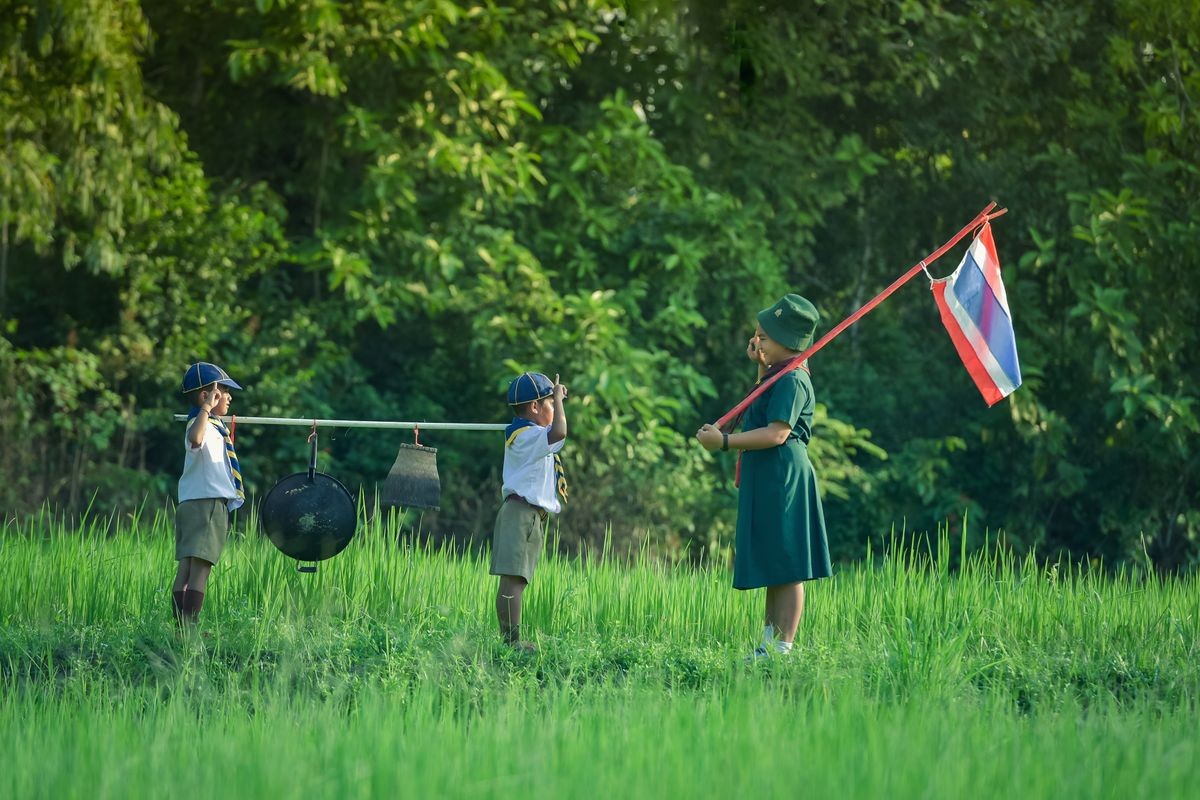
(210,399)
(755,353)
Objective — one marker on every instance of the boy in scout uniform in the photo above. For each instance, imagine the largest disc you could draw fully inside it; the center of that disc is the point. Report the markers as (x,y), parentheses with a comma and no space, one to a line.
(532,484)
(210,488)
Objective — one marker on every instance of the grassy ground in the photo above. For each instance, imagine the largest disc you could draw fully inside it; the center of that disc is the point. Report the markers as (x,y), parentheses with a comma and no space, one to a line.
(382,675)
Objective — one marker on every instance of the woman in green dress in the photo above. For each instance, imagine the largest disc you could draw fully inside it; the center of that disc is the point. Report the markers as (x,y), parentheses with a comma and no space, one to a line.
(780,540)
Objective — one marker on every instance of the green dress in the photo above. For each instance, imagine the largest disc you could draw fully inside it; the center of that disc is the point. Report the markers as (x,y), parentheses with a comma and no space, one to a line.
(780,526)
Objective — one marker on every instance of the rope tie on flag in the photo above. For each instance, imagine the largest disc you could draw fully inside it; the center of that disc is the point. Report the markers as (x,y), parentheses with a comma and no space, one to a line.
(978,221)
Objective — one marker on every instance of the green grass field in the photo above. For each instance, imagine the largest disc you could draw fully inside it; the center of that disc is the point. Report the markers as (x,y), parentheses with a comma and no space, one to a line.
(382,675)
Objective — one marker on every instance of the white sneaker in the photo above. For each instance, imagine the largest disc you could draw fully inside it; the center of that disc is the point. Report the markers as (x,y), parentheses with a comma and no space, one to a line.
(760,653)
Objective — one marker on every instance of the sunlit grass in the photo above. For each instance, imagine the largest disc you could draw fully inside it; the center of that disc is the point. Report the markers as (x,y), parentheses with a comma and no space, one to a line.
(383,673)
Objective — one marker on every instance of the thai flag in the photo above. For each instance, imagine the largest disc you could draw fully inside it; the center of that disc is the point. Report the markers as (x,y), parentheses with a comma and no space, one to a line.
(975,311)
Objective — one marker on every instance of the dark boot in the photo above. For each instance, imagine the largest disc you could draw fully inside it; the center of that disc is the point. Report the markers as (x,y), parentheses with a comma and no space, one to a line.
(177,607)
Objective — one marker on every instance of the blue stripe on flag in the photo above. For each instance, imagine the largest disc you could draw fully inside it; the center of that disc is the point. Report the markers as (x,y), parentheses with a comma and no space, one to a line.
(975,295)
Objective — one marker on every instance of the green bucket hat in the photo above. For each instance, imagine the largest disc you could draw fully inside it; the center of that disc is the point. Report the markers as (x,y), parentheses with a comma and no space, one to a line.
(791,322)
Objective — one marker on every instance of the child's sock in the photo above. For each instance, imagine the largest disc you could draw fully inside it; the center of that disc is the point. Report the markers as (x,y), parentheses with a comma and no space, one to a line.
(782,647)
(192,602)
(177,606)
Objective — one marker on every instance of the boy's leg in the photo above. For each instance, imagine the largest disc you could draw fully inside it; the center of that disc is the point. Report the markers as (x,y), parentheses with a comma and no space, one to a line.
(197,582)
(516,543)
(508,607)
(177,588)
(181,572)
(181,575)
(198,574)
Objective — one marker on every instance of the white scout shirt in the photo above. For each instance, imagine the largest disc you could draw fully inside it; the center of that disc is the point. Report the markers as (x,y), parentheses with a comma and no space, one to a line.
(207,473)
(529,467)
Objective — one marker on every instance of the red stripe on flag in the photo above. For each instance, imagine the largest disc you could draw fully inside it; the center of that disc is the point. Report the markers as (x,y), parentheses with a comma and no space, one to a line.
(987,387)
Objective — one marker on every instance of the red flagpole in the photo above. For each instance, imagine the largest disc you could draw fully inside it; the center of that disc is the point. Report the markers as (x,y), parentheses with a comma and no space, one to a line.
(980,218)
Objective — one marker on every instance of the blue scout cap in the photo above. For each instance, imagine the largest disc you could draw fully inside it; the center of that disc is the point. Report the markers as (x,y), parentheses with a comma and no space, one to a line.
(202,374)
(527,387)
(791,322)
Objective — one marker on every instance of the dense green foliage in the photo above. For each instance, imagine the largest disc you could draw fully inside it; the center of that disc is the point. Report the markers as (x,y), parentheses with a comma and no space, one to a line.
(383,209)
(384,670)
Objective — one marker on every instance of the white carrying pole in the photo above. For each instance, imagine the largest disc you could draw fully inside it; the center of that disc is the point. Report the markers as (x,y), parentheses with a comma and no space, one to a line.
(365,423)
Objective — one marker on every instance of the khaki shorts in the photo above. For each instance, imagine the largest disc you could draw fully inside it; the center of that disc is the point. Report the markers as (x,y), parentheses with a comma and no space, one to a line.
(517,539)
(201,527)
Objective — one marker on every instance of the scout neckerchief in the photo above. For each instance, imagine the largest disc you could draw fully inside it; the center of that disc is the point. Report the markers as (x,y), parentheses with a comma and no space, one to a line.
(510,434)
(733,423)
(235,470)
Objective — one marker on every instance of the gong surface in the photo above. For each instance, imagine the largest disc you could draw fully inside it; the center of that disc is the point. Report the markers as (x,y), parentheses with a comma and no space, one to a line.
(309,519)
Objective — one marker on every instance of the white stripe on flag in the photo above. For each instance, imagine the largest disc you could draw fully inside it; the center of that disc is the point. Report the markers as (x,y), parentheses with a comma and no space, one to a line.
(989,265)
(976,340)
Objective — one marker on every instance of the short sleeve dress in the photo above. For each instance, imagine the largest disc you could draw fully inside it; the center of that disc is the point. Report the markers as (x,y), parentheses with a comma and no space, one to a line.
(780,525)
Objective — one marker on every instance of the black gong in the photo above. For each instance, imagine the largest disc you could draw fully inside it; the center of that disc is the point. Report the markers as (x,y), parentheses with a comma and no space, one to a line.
(309,516)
